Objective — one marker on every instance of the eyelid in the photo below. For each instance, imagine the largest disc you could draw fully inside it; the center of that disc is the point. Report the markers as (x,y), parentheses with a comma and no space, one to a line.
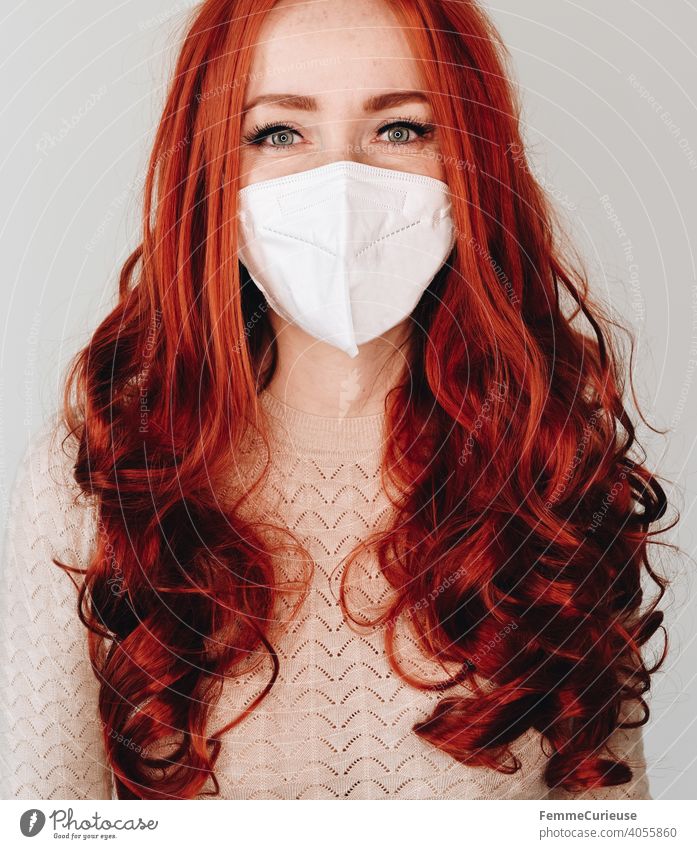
(261,131)
(403,119)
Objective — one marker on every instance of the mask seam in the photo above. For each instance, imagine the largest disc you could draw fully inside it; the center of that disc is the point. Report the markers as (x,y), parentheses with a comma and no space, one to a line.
(387,236)
(298,239)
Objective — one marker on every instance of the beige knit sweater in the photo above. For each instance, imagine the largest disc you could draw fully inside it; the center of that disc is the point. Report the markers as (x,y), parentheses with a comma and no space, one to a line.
(337,722)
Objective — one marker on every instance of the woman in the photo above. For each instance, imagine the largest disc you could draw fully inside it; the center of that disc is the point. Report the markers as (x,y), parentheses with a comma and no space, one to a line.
(361,519)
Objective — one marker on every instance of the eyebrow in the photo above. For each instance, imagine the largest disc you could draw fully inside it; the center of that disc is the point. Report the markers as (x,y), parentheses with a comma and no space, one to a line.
(306,103)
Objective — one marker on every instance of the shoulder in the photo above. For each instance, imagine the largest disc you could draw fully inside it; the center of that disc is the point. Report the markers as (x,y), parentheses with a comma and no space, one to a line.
(49,519)
(49,515)
(48,692)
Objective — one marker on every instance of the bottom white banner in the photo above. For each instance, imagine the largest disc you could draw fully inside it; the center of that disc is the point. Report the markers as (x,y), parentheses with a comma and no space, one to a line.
(354,823)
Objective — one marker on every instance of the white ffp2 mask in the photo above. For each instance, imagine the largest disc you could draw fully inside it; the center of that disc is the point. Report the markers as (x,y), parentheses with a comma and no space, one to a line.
(345,251)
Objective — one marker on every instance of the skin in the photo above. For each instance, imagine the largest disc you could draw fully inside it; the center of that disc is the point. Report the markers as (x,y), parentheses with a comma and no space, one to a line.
(339,53)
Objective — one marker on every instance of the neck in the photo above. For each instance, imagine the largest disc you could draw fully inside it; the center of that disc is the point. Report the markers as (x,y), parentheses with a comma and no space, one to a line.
(318,378)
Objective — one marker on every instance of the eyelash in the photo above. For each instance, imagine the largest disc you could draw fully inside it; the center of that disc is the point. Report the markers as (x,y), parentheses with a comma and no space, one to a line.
(262,131)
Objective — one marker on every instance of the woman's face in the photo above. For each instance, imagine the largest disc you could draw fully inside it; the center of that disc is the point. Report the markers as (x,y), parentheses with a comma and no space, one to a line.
(335,80)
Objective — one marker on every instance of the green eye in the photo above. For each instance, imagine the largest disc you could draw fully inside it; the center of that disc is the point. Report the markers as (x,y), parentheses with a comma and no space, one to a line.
(398,135)
(271,135)
(404,131)
(284,138)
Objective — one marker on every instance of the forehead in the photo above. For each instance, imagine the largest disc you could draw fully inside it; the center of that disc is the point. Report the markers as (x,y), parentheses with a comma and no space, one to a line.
(329,45)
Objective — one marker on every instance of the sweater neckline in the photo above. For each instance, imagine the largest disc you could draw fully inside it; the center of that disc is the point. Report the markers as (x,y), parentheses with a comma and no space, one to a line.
(335,433)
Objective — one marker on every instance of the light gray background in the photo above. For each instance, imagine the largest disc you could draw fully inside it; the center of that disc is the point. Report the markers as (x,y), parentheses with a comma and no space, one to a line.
(609,95)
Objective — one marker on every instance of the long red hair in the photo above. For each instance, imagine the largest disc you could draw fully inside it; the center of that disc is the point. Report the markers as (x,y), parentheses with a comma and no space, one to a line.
(519,507)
